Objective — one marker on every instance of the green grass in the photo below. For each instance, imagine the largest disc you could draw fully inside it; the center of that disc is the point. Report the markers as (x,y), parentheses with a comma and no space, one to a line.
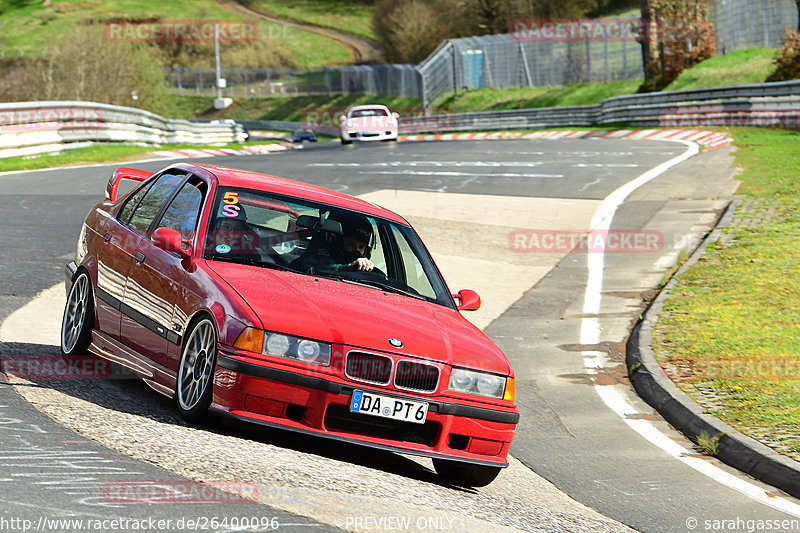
(347,16)
(751,65)
(282,108)
(523,98)
(733,317)
(29,25)
(309,48)
(96,154)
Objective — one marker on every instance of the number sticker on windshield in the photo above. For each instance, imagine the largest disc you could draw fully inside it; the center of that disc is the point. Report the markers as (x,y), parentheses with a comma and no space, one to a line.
(230,209)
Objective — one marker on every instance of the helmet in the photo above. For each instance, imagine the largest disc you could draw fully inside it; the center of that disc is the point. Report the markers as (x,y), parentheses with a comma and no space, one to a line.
(355,226)
(230,232)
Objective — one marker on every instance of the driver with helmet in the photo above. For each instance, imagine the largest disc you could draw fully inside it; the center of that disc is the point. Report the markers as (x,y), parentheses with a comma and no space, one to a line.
(349,251)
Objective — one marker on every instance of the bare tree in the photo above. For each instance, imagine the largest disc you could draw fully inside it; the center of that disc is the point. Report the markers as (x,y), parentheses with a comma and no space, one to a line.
(416,30)
(677,35)
(409,30)
(82,66)
(649,40)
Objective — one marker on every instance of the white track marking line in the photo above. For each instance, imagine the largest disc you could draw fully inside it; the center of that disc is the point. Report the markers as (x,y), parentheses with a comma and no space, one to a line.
(459,174)
(593,360)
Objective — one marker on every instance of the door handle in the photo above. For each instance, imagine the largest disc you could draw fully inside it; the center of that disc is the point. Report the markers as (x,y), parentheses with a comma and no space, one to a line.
(140,257)
(107,237)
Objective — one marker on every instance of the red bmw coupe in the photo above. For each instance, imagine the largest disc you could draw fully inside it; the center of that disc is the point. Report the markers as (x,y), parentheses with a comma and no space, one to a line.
(291,306)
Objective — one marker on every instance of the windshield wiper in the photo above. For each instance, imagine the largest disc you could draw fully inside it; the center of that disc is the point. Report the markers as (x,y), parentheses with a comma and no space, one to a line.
(254,262)
(382,286)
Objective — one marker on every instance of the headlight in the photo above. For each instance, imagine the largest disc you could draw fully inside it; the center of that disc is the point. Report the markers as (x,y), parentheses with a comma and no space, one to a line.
(480,383)
(290,347)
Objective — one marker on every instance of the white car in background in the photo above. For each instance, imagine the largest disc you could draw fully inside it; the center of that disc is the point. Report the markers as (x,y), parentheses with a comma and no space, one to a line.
(368,123)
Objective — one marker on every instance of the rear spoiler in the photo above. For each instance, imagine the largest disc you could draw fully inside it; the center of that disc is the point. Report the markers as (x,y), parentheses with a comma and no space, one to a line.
(124,173)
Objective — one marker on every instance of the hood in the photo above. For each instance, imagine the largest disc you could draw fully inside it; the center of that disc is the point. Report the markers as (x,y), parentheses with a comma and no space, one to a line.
(370,123)
(362,317)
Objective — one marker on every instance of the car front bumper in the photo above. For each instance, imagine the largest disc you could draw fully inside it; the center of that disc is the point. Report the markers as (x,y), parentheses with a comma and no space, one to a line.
(260,394)
(352,135)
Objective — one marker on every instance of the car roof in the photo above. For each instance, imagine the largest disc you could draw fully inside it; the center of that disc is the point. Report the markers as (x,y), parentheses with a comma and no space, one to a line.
(231,177)
(371,106)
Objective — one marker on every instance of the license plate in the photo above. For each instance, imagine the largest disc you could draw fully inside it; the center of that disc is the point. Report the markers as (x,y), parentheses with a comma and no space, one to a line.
(368,403)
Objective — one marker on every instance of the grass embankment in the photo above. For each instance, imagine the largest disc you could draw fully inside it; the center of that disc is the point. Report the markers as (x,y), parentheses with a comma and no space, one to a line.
(294,108)
(751,65)
(351,17)
(283,107)
(529,97)
(96,154)
(29,25)
(744,66)
(730,331)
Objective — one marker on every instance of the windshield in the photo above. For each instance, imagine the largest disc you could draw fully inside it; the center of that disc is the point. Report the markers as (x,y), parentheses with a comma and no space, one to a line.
(261,228)
(376,112)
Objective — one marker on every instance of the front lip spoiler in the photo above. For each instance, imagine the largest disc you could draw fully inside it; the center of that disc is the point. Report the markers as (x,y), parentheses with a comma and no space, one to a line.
(273,374)
(384,447)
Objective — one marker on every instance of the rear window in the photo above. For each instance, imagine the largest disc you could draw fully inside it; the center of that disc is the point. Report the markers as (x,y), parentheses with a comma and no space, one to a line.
(358,113)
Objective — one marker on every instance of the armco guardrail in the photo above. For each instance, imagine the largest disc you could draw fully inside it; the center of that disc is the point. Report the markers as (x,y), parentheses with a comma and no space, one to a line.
(765,105)
(46,126)
(37,127)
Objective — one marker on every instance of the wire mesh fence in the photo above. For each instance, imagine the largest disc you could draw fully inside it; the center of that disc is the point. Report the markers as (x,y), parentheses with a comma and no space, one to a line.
(531,59)
(752,23)
(395,80)
(490,61)
(536,54)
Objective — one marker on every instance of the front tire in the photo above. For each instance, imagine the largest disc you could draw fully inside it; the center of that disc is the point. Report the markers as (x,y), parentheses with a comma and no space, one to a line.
(465,474)
(344,141)
(78,319)
(194,386)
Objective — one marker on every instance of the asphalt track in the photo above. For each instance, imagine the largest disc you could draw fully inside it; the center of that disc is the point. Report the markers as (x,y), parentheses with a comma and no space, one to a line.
(567,434)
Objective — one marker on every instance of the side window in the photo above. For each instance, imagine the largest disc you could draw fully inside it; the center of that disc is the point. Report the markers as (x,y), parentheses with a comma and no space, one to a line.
(133,201)
(183,213)
(415,273)
(148,208)
(377,255)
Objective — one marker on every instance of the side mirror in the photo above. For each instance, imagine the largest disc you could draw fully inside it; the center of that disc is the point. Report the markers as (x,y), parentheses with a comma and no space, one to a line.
(170,240)
(342,118)
(467,300)
(396,115)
